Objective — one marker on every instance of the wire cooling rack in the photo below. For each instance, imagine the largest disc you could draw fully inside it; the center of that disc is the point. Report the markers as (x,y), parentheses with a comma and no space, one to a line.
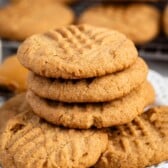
(154,50)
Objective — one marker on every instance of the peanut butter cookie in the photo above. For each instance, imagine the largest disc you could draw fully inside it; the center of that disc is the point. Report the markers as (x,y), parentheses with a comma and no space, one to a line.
(101,89)
(165,20)
(75,52)
(28,141)
(21,20)
(100,115)
(11,108)
(13,75)
(141,143)
(59,1)
(140,22)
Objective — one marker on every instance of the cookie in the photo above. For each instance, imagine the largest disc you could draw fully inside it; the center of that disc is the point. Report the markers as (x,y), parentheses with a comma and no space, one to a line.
(66,1)
(165,20)
(28,141)
(100,89)
(13,76)
(141,143)
(87,115)
(25,19)
(59,1)
(140,22)
(14,103)
(11,108)
(76,52)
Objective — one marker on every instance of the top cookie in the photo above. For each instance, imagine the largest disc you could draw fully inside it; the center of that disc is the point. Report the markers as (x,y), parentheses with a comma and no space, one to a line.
(75,52)
(23,19)
(28,141)
(140,22)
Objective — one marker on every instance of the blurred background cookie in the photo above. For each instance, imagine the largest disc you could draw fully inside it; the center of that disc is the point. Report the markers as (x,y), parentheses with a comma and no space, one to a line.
(140,22)
(13,75)
(25,19)
(59,1)
(66,1)
(165,20)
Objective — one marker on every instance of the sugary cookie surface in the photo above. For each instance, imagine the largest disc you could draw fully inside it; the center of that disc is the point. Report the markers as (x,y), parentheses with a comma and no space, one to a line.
(74,52)
(141,143)
(101,89)
(28,141)
(86,115)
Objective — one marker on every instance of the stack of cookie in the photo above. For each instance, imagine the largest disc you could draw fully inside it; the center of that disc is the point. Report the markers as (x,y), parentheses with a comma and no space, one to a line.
(83,77)
(29,142)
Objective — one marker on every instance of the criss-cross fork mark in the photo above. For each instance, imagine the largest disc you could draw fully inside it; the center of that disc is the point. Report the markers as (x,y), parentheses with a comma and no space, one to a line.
(79,38)
(134,135)
(159,122)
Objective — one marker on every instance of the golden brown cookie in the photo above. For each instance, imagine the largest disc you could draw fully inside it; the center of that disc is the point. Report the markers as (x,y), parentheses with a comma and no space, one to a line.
(59,1)
(13,75)
(66,1)
(140,22)
(29,142)
(75,52)
(11,108)
(25,19)
(165,20)
(100,115)
(141,143)
(100,89)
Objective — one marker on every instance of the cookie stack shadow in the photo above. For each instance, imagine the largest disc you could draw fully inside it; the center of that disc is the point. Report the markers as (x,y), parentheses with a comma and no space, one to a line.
(84,83)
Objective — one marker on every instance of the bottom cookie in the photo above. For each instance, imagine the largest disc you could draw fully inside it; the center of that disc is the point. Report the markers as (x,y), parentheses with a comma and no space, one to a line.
(141,143)
(100,115)
(29,142)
